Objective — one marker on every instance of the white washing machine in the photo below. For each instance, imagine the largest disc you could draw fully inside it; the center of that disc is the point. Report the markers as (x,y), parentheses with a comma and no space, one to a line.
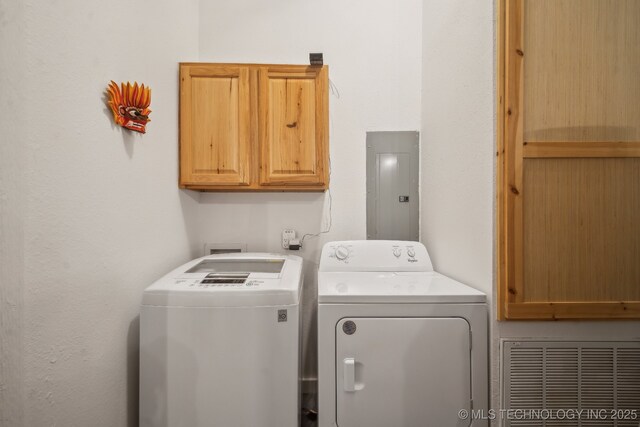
(219,343)
(399,344)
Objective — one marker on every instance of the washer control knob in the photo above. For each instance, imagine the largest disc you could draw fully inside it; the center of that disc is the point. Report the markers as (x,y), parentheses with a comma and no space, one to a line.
(397,252)
(411,252)
(342,253)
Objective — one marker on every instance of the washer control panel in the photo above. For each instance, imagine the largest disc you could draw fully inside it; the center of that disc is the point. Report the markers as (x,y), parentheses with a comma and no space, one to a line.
(375,255)
(220,281)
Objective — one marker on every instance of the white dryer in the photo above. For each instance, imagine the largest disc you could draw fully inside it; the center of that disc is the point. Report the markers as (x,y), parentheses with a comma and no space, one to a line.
(399,344)
(219,343)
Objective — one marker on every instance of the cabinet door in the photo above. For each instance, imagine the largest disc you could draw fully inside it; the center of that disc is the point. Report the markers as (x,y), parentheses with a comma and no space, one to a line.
(293,125)
(215,125)
(569,159)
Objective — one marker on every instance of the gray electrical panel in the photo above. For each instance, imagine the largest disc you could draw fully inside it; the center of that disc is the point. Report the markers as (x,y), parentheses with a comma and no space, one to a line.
(392,185)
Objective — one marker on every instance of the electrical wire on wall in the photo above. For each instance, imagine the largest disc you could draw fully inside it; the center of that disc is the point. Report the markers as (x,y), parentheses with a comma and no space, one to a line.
(330,214)
(335,92)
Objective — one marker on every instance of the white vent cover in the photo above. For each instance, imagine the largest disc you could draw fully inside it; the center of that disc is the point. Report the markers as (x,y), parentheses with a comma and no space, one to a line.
(556,376)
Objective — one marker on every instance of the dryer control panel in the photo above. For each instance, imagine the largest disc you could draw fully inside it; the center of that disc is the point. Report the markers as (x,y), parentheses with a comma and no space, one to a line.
(375,255)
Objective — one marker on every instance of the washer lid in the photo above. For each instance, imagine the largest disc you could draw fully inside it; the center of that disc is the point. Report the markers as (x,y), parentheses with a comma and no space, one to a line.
(226,265)
(230,280)
(394,287)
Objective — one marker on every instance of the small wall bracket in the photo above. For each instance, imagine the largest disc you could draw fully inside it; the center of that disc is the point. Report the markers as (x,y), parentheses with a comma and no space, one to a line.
(315,59)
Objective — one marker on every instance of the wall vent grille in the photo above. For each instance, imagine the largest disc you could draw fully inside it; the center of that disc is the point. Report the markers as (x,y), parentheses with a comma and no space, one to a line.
(571,384)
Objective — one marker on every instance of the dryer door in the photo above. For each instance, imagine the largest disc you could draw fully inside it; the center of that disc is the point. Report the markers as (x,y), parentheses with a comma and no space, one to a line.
(402,372)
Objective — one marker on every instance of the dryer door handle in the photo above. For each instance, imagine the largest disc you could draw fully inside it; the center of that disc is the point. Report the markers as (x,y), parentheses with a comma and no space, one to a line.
(349,374)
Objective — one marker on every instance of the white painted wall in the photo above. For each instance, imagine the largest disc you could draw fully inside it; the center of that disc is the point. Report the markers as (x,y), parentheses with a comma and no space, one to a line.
(457,138)
(13,119)
(373,52)
(458,156)
(91,214)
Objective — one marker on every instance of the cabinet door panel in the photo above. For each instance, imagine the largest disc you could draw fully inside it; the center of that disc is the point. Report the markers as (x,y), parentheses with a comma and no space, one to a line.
(293,126)
(569,159)
(581,82)
(215,125)
(581,230)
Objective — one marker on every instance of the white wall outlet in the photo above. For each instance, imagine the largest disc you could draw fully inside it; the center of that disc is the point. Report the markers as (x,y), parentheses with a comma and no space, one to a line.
(287,235)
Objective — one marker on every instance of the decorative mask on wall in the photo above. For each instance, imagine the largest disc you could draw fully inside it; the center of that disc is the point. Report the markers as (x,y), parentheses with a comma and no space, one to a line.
(130,105)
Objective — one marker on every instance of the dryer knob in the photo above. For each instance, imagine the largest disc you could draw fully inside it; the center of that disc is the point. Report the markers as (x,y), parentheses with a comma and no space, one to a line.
(342,253)
(411,252)
(397,252)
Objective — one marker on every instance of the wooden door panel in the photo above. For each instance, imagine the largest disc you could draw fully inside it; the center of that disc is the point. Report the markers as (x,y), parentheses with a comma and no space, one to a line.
(581,82)
(215,125)
(293,126)
(291,119)
(569,159)
(581,230)
(216,118)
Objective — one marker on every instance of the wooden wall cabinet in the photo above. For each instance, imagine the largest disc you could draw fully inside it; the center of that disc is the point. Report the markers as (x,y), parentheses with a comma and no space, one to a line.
(569,159)
(253,127)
